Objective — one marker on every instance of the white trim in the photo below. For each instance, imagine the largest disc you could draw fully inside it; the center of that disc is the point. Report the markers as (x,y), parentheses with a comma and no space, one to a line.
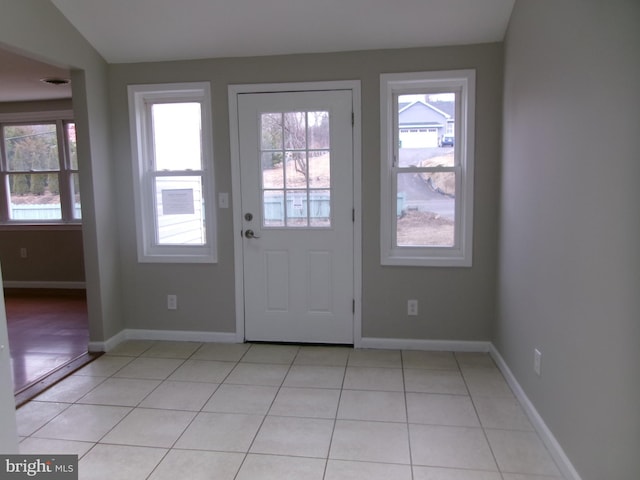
(166,335)
(108,344)
(44,284)
(18,226)
(140,124)
(180,336)
(564,464)
(424,344)
(234,135)
(392,84)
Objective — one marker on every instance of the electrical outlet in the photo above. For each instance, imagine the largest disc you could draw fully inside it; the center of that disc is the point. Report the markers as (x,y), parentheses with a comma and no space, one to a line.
(537,360)
(23,252)
(412,307)
(172,302)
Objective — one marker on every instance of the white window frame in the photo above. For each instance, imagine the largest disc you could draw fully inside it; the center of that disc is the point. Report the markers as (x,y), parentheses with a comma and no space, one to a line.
(392,85)
(61,118)
(140,98)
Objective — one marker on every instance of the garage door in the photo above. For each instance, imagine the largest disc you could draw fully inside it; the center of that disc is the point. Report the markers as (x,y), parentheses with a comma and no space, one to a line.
(418,137)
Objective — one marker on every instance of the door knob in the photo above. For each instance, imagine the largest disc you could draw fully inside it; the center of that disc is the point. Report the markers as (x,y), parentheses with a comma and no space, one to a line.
(250,234)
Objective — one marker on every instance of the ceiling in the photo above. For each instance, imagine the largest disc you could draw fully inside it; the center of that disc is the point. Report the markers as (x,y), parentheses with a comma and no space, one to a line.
(20,79)
(155,30)
(126,31)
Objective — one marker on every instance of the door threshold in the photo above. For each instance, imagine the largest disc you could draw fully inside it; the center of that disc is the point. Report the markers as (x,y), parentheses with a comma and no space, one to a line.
(35,388)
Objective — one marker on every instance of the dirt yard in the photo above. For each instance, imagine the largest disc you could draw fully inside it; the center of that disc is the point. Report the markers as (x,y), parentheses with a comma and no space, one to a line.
(424,229)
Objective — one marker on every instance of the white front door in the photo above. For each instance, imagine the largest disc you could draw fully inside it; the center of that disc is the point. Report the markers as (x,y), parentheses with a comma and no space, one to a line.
(296,174)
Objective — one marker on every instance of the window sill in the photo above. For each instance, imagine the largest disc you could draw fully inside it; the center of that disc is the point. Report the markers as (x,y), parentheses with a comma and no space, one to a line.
(407,260)
(17,226)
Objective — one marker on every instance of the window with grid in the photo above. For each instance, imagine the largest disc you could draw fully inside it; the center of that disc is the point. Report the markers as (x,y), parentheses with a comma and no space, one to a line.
(39,168)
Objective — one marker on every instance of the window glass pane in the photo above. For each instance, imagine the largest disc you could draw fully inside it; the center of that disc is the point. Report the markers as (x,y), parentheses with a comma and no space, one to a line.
(272,170)
(297,208)
(296,169)
(425,129)
(318,130)
(320,208)
(34,196)
(295,130)
(75,195)
(177,136)
(71,139)
(179,211)
(426,209)
(271,131)
(320,169)
(31,147)
(273,208)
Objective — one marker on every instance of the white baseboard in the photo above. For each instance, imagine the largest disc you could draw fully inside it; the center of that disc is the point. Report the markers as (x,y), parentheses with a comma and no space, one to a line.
(45,284)
(420,344)
(170,335)
(180,335)
(563,462)
(558,454)
(109,344)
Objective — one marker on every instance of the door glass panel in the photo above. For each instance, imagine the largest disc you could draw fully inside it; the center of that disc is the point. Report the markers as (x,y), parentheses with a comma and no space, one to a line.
(295,160)
(319,130)
(320,169)
(296,169)
(295,130)
(297,208)
(320,208)
(272,170)
(271,131)
(273,208)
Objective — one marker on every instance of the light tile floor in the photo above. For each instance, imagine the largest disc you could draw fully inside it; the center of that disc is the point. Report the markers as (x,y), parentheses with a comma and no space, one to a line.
(167,410)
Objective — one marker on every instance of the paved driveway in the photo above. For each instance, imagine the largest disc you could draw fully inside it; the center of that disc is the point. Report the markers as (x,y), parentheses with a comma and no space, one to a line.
(418,195)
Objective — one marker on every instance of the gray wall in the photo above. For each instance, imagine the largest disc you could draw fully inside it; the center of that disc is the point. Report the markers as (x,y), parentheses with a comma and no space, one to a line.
(52,255)
(37,29)
(569,272)
(455,303)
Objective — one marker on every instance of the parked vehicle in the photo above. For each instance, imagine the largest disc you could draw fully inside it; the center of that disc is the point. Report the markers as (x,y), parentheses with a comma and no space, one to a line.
(446,141)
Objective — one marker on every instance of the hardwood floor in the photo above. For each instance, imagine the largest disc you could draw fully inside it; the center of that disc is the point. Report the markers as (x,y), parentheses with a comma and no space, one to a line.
(48,331)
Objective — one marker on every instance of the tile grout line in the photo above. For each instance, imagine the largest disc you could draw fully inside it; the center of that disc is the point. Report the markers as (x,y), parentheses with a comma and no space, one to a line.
(484,432)
(406,411)
(76,403)
(279,390)
(190,422)
(246,455)
(335,419)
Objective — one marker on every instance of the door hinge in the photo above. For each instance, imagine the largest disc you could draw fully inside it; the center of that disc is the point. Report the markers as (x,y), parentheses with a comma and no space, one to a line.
(353,215)
(353,119)
(353,306)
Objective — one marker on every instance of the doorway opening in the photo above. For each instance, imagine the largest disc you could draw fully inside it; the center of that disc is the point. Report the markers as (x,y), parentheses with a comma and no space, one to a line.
(41,234)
